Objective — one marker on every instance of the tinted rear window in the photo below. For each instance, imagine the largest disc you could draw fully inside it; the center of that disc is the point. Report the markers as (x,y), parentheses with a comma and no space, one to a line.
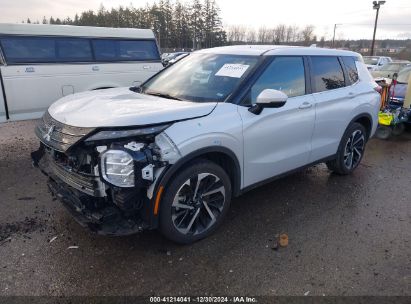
(28,50)
(327,73)
(125,50)
(22,50)
(74,50)
(349,63)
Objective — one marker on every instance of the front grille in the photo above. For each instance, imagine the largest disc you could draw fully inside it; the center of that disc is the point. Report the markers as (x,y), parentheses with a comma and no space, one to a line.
(91,185)
(57,135)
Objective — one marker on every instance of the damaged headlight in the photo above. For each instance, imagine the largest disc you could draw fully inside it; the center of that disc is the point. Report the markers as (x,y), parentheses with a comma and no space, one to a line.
(168,150)
(117,168)
(118,134)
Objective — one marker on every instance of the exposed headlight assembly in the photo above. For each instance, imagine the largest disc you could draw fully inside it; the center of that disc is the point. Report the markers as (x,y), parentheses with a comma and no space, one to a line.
(117,168)
(119,134)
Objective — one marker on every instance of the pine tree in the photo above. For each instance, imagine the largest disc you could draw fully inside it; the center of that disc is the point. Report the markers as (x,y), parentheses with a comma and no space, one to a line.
(196,23)
(176,24)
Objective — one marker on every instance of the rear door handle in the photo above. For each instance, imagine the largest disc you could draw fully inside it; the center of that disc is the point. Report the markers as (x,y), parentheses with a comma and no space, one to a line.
(351,95)
(305,105)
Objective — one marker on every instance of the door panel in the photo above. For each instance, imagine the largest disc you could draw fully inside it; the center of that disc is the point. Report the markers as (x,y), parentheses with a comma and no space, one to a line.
(333,109)
(333,105)
(278,140)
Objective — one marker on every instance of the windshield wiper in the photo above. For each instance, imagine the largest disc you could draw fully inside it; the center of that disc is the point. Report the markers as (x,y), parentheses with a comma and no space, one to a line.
(162,95)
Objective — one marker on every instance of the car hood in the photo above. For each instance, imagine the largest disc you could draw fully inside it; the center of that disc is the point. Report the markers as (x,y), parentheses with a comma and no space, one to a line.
(121,107)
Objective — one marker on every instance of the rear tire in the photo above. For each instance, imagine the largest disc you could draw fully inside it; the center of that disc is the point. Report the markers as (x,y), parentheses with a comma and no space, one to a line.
(195,202)
(350,151)
(398,129)
(383,132)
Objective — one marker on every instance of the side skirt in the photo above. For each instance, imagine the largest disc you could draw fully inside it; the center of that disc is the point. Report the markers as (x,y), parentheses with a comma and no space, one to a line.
(271,179)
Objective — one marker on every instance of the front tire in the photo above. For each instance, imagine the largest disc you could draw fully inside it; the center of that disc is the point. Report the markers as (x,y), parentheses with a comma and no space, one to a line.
(350,150)
(195,202)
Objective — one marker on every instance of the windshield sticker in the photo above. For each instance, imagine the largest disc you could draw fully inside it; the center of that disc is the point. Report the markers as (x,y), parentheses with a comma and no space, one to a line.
(232,70)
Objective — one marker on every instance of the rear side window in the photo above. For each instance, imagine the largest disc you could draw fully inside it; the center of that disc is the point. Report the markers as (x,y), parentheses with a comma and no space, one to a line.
(74,50)
(349,63)
(125,50)
(28,49)
(327,73)
(285,74)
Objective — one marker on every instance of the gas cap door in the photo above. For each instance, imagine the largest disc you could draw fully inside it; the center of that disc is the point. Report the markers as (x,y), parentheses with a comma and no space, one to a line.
(67,90)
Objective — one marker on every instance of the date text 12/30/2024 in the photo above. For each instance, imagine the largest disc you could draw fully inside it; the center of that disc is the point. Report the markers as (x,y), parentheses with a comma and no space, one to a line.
(206,299)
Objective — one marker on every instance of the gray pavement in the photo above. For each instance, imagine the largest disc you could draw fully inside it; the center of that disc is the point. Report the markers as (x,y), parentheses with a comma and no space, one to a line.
(347,236)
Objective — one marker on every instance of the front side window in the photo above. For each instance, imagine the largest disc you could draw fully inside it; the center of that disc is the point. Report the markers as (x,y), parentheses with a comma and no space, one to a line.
(125,50)
(327,73)
(285,74)
(28,49)
(349,63)
(202,77)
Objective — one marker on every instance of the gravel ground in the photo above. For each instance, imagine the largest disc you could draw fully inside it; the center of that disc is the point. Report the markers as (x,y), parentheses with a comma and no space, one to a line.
(347,236)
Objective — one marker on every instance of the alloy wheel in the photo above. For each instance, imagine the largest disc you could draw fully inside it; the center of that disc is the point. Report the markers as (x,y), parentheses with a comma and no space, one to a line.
(354,149)
(198,203)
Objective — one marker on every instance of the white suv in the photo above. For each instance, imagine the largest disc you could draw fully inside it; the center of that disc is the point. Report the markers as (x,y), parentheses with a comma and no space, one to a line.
(172,153)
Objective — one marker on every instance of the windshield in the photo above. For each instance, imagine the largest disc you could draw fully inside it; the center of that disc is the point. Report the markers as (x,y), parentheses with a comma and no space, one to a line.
(201,77)
(371,60)
(404,76)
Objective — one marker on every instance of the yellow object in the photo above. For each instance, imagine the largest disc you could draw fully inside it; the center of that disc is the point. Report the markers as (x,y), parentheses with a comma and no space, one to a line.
(407,100)
(283,240)
(385,118)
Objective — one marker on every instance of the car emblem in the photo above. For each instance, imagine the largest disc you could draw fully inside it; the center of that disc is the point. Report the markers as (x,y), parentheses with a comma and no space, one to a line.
(47,136)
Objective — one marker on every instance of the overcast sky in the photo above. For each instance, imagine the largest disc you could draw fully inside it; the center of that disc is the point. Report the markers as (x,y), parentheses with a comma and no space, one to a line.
(355,16)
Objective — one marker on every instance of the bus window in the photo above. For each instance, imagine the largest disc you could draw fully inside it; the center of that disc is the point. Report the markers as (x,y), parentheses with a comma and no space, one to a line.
(28,49)
(74,50)
(125,50)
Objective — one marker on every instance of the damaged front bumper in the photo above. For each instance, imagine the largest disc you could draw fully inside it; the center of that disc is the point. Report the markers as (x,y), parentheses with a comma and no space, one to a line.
(104,211)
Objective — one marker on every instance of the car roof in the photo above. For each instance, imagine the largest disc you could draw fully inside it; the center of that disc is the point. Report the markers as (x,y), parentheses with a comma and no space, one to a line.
(267,50)
(74,31)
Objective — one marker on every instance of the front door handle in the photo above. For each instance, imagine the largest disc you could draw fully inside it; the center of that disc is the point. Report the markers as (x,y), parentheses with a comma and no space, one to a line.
(305,105)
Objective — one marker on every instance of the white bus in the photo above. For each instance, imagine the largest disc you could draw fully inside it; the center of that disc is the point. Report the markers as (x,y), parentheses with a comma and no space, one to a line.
(42,63)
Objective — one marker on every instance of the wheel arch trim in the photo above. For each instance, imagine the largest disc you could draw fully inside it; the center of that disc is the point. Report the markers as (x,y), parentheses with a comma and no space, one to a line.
(360,116)
(172,169)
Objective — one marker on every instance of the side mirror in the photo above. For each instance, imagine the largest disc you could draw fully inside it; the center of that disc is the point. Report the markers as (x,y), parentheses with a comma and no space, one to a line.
(268,98)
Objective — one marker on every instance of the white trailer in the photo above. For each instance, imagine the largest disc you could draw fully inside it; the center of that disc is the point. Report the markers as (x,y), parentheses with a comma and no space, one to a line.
(42,63)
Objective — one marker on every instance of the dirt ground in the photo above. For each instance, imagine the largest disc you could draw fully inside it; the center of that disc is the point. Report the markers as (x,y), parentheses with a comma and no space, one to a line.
(347,236)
